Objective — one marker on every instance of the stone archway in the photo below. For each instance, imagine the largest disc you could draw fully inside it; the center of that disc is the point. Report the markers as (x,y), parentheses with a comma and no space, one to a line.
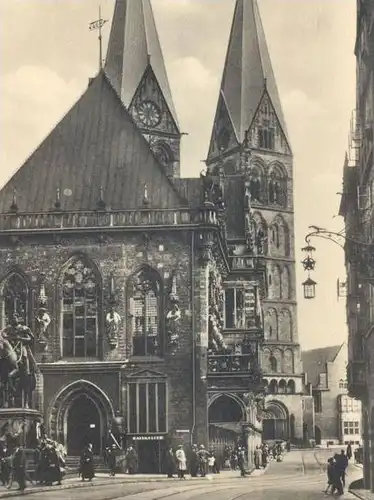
(80,405)
(276,421)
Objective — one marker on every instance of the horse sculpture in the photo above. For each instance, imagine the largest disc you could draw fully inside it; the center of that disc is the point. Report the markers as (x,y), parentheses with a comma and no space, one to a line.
(17,380)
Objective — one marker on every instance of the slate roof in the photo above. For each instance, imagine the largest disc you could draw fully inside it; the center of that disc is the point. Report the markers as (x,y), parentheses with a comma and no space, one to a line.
(315,361)
(96,144)
(247,66)
(133,45)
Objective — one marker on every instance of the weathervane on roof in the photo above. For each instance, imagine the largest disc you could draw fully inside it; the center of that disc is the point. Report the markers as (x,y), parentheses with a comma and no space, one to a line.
(97,25)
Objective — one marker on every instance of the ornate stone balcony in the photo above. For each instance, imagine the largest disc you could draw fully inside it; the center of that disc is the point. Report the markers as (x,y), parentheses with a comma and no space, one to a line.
(356,375)
(70,220)
(222,364)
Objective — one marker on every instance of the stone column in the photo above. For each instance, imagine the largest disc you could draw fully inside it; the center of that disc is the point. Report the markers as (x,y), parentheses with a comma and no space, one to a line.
(201,331)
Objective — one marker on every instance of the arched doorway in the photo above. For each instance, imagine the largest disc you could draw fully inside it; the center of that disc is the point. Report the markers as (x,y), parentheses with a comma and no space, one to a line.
(80,413)
(276,422)
(317,434)
(225,414)
(84,425)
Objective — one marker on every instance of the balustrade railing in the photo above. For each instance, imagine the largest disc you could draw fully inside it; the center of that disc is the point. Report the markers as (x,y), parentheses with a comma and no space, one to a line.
(92,219)
(230,363)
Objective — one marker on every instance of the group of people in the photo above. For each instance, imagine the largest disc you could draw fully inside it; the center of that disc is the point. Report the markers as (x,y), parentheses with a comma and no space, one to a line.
(264,453)
(50,459)
(199,463)
(336,471)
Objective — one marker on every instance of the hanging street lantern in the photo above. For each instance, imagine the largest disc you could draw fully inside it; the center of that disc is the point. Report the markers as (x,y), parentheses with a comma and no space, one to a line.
(309,288)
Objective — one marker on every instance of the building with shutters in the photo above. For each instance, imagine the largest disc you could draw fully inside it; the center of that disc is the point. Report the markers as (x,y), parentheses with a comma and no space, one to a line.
(171,301)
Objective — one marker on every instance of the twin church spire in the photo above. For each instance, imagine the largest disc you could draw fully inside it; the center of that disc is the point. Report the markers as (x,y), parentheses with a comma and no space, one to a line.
(136,69)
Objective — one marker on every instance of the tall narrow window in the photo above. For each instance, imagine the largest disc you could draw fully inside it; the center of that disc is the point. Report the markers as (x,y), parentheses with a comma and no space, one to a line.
(15,299)
(147,407)
(266,138)
(80,311)
(145,303)
(240,307)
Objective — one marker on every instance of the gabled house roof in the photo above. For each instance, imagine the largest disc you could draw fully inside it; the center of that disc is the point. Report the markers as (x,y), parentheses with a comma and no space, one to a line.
(315,361)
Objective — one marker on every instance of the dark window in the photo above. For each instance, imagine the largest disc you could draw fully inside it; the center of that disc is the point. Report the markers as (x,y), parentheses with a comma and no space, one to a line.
(80,311)
(317,402)
(15,299)
(266,138)
(240,307)
(273,364)
(147,408)
(145,311)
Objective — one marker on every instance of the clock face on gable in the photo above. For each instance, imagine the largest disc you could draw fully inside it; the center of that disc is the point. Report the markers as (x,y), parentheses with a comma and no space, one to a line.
(148,113)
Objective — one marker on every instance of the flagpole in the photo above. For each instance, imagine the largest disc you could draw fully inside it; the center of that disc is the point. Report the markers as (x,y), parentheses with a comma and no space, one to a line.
(97,25)
(100,42)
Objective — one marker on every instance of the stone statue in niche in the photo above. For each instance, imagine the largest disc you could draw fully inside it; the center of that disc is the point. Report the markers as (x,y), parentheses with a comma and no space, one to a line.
(173,317)
(42,319)
(42,322)
(112,323)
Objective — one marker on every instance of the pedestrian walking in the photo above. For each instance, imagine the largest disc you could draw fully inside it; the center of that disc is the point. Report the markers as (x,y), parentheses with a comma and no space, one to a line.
(19,467)
(111,459)
(329,471)
(170,463)
(241,461)
(131,460)
(194,461)
(257,457)
(264,457)
(349,451)
(202,460)
(181,462)
(342,464)
(87,463)
(336,477)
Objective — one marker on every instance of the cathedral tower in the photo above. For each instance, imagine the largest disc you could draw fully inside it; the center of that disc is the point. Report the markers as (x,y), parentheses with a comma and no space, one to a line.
(135,66)
(250,147)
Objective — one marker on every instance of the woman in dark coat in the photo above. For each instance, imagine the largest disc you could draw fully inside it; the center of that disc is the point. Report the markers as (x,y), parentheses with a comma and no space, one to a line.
(87,463)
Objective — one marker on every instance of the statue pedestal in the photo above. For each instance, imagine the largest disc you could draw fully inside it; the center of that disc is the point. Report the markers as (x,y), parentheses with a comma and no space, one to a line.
(19,425)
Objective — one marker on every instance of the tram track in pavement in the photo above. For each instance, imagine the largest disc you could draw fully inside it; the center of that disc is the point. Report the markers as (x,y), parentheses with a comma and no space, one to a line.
(307,468)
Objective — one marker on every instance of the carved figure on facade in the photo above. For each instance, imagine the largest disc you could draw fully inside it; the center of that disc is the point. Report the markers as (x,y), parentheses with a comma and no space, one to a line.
(42,318)
(173,317)
(216,340)
(17,364)
(112,324)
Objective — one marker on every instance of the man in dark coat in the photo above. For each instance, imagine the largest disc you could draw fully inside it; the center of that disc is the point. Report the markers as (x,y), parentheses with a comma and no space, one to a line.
(194,461)
(349,451)
(87,463)
(170,462)
(336,476)
(342,464)
(111,459)
(19,467)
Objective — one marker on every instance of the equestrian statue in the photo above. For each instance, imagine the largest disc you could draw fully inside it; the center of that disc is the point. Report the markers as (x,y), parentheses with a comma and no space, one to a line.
(17,365)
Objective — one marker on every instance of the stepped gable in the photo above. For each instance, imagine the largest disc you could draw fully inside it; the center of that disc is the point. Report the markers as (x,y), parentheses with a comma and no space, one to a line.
(96,145)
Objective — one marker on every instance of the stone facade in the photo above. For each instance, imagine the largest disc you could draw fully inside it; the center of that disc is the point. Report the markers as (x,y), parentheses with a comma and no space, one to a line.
(357,208)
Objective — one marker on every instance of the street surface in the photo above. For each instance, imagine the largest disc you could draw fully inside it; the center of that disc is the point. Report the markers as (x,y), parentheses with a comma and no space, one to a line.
(300,476)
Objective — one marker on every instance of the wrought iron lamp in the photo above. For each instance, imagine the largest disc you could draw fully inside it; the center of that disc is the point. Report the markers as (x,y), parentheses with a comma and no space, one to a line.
(362,253)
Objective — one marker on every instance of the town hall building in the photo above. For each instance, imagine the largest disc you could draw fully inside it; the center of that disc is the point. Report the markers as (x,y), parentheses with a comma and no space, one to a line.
(163,308)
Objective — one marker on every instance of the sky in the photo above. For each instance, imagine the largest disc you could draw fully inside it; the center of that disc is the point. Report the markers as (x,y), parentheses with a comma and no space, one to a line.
(48,54)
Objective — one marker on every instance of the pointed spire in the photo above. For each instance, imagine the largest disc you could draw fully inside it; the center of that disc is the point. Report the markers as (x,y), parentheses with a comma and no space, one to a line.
(133,47)
(248,71)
